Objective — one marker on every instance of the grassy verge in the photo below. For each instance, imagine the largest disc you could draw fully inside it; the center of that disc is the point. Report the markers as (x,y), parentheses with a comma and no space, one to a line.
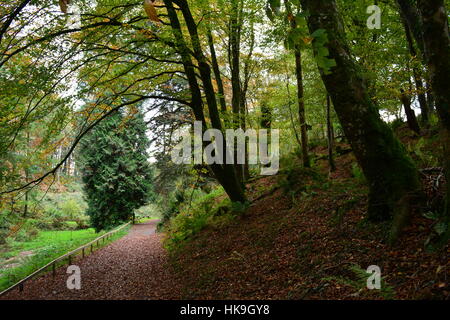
(47,246)
(146,219)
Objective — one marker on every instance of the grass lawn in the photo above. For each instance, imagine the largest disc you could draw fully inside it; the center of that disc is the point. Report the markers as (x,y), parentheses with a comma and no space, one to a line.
(23,258)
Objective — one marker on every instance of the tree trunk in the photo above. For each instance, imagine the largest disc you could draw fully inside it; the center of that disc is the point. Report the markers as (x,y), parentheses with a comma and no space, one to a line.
(417,78)
(244,107)
(235,48)
(413,124)
(437,54)
(390,172)
(301,107)
(27,179)
(300,93)
(411,15)
(330,136)
(216,70)
(225,174)
(430,98)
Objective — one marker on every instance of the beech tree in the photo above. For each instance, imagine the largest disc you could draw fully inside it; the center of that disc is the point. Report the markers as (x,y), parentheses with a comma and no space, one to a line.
(391,174)
(429,22)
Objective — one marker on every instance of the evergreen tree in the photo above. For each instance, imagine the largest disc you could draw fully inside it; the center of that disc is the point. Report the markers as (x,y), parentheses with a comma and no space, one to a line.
(116,173)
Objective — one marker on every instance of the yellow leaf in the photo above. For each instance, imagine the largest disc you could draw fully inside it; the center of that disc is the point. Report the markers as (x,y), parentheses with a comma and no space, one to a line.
(151,11)
(308,40)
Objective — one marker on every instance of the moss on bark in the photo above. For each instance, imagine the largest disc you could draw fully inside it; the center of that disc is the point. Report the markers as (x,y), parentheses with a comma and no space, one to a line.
(389,170)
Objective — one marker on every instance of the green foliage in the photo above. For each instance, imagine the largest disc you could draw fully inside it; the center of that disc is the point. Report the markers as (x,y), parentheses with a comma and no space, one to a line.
(440,234)
(207,210)
(424,157)
(171,206)
(358,173)
(359,283)
(320,41)
(151,211)
(116,173)
(27,232)
(62,211)
(47,246)
(296,180)
(397,123)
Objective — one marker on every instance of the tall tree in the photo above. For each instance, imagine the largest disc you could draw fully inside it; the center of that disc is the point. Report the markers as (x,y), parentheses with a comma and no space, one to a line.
(235,62)
(413,124)
(273,9)
(391,174)
(300,89)
(330,136)
(437,56)
(226,173)
(417,77)
(115,169)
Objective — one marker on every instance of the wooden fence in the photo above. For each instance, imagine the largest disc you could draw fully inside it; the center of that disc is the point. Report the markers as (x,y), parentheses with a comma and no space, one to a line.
(67,256)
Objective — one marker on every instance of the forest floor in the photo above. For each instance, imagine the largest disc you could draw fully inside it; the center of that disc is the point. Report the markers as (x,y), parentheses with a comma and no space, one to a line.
(305,237)
(134,267)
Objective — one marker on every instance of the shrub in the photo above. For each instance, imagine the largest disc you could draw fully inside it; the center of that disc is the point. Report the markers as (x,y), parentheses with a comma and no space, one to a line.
(357,173)
(82,222)
(70,209)
(28,231)
(207,210)
(424,157)
(397,123)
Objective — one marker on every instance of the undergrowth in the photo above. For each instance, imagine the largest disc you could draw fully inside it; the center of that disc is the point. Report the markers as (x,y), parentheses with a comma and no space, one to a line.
(211,210)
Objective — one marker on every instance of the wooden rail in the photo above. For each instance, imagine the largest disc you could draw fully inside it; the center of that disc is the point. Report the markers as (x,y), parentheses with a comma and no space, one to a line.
(68,256)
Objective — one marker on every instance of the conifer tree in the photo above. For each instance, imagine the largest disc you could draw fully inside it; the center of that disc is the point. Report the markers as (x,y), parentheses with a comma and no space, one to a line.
(116,173)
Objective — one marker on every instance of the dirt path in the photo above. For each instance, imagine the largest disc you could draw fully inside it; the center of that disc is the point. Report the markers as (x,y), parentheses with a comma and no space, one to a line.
(134,267)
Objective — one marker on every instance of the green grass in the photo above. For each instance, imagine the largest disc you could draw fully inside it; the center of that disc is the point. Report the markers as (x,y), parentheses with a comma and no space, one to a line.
(47,246)
(146,219)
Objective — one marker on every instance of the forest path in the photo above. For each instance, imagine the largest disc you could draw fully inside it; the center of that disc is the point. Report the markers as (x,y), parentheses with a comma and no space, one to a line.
(133,267)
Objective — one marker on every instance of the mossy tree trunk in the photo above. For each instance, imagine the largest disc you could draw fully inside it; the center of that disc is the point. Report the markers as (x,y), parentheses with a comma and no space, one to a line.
(390,172)
(225,174)
(437,55)
(330,136)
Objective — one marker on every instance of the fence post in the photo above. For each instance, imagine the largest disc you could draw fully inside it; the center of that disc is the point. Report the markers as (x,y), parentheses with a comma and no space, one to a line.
(54,270)
(82,252)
